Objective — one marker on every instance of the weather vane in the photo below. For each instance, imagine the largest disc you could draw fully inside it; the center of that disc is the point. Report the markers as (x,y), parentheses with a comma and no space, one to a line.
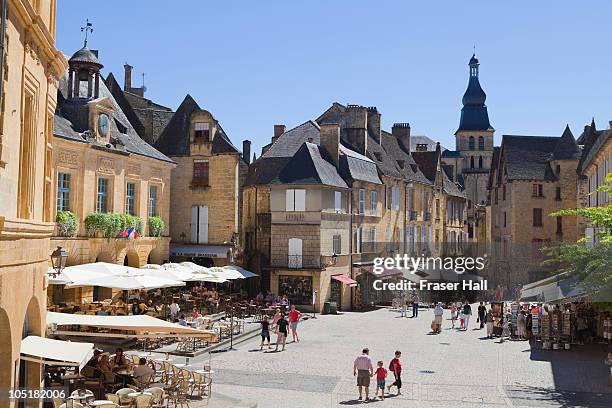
(88,29)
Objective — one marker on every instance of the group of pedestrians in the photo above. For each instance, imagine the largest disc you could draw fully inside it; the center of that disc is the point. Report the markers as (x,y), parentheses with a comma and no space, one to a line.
(281,325)
(364,371)
(412,303)
(461,313)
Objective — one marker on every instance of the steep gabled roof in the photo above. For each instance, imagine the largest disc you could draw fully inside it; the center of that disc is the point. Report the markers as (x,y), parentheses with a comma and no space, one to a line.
(354,166)
(290,141)
(428,164)
(396,149)
(594,140)
(71,121)
(174,140)
(528,157)
(124,104)
(566,148)
(308,166)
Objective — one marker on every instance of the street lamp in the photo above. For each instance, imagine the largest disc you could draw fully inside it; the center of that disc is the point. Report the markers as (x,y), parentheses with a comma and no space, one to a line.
(314,300)
(58,259)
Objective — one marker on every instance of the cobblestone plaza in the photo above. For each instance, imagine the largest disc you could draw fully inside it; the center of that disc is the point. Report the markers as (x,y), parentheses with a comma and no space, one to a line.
(454,368)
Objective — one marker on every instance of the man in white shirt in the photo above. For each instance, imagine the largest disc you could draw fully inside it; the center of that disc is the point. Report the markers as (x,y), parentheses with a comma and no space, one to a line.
(174,309)
(438,312)
(362,368)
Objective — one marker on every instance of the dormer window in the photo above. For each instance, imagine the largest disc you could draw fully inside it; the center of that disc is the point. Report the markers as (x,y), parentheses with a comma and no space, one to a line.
(201,132)
(400,163)
(103,124)
(378,156)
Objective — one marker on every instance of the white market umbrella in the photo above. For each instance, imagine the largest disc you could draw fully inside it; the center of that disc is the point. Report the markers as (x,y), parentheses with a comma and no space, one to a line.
(130,281)
(84,272)
(240,270)
(195,267)
(208,278)
(229,274)
(168,273)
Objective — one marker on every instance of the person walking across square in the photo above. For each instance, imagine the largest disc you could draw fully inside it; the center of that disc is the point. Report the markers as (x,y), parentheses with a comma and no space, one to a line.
(362,368)
(415,304)
(395,366)
(467,312)
(381,376)
(482,311)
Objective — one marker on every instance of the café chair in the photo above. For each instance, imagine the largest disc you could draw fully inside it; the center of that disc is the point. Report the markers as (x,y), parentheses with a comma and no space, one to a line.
(158,396)
(123,395)
(144,401)
(113,397)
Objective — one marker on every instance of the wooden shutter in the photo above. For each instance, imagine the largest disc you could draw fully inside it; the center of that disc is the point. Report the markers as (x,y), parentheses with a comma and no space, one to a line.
(203,225)
(194,224)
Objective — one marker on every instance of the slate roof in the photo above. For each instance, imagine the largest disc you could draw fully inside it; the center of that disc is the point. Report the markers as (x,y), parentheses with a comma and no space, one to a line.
(528,157)
(594,140)
(451,153)
(71,122)
(354,166)
(474,114)
(422,139)
(85,55)
(117,92)
(265,169)
(174,140)
(408,168)
(308,166)
(566,148)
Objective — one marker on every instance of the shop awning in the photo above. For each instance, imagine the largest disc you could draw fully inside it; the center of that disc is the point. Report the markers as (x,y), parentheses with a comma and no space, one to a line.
(386,273)
(143,325)
(56,352)
(553,289)
(345,279)
(241,270)
(203,251)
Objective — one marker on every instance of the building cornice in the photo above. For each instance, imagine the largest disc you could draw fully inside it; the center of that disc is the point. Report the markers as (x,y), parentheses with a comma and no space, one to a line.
(20,228)
(39,38)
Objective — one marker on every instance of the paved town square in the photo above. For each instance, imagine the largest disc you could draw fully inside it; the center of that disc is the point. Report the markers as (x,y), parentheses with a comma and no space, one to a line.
(454,368)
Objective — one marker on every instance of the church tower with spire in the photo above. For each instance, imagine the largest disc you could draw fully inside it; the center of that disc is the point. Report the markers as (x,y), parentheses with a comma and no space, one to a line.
(474,141)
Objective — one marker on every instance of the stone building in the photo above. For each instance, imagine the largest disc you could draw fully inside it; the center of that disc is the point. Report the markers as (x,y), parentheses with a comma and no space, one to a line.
(533,177)
(206,188)
(29,72)
(389,210)
(101,165)
(595,164)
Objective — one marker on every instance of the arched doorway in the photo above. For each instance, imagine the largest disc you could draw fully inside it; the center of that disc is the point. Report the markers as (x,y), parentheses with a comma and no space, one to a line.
(155,256)
(30,372)
(6,351)
(105,257)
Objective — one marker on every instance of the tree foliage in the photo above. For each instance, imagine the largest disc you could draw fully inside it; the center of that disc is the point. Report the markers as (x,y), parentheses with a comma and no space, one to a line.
(590,262)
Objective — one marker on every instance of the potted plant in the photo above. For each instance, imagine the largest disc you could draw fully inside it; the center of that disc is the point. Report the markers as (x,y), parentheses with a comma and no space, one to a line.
(67,223)
(156,226)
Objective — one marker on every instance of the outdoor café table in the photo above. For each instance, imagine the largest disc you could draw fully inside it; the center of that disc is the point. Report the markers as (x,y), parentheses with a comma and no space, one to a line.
(137,393)
(97,403)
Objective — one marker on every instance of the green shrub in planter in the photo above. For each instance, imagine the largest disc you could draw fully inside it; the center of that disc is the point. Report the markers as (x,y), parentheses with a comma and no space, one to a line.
(67,223)
(156,226)
(96,223)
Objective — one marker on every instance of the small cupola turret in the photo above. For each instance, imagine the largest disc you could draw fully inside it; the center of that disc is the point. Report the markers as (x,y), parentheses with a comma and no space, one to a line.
(84,70)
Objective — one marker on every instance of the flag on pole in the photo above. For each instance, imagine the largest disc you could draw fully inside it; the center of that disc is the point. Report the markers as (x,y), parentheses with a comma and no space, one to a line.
(130,233)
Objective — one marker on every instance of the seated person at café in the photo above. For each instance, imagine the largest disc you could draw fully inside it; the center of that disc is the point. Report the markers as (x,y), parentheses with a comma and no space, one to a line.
(102,312)
(119,361)
(103,367)
(195,314)
(260,297)
(93,361)
(182,320)
(142,307)
(143,372)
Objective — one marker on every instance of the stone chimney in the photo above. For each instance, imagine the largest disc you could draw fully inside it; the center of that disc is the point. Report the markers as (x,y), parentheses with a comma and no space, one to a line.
(356,128)
(402,132)
(246,151)
(374,123)
(127,81)
(330,141)
(278,131)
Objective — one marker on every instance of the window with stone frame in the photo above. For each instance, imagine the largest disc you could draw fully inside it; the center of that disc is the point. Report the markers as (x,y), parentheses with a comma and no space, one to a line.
(537,190)
(63,191)
(102,195)
(481,143)
(201,132)
(130,198)
(201,173)
(361,201)
(337,244)
(153,201)
(537,217)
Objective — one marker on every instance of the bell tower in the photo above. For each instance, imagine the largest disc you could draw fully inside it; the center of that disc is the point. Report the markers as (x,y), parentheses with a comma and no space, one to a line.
(474,140)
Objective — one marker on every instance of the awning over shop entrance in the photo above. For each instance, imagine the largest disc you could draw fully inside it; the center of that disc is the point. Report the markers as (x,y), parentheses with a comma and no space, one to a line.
(386,273)
(56,352)
(201,251)
(345,279)
(553,289)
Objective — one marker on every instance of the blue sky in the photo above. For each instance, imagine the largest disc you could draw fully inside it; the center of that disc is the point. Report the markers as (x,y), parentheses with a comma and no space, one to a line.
(254,64)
